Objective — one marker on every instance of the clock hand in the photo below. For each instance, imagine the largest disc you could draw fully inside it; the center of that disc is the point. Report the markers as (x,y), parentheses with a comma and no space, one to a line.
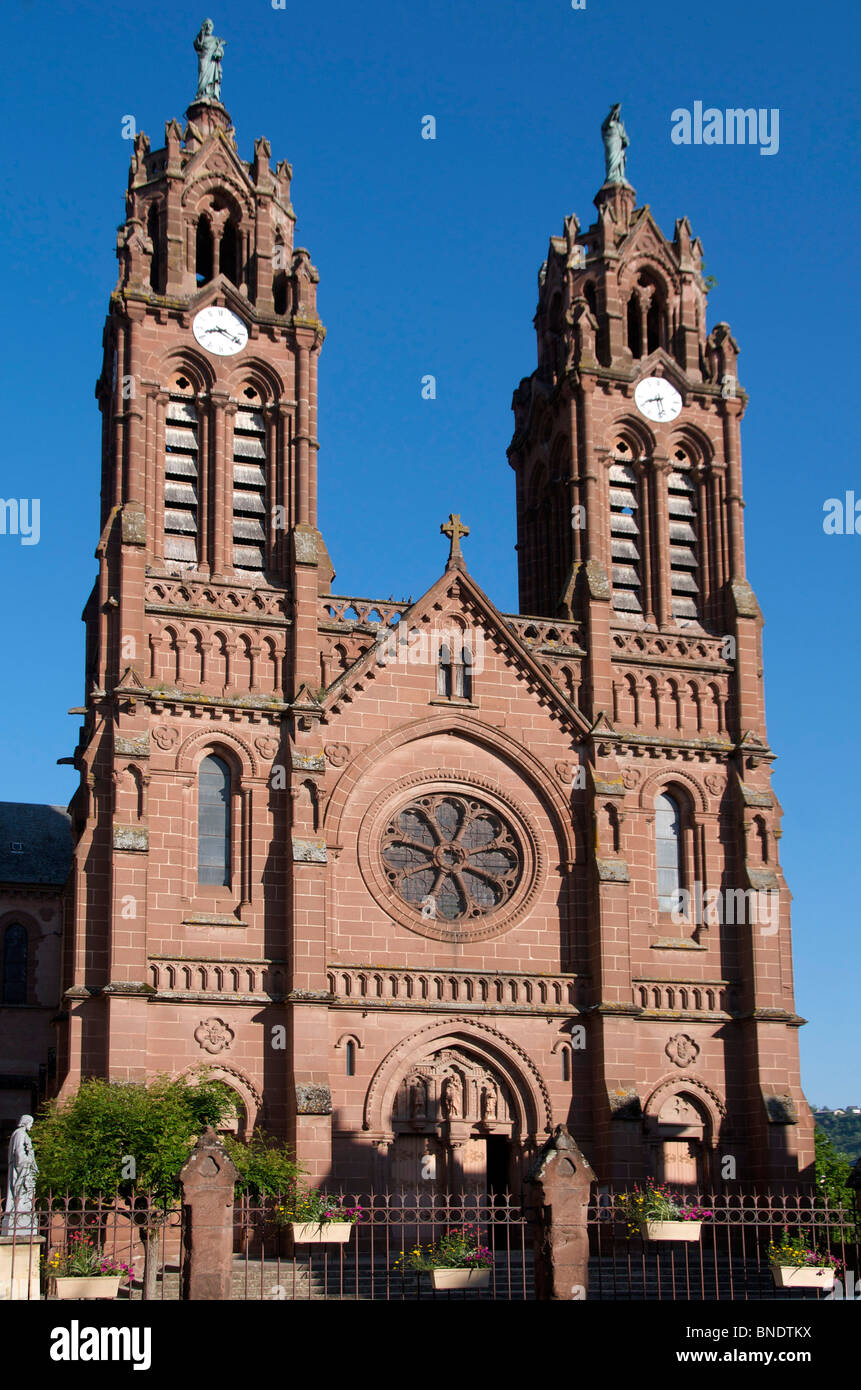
(224,333)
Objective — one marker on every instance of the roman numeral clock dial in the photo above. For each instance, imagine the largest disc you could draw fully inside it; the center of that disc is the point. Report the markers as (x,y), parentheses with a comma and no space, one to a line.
(220,331)
(657,399)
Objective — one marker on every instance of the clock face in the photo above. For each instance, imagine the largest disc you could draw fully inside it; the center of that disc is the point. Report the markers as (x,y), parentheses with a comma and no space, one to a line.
(657,399)
(220,331)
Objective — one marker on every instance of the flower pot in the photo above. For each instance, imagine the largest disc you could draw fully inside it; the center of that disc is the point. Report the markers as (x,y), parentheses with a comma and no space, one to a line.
(87,1286)
(670,1230)
(803,1276)
(460,1278)
(321,1233)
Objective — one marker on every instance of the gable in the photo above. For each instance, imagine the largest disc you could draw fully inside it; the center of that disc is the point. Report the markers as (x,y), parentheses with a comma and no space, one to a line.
(454,621)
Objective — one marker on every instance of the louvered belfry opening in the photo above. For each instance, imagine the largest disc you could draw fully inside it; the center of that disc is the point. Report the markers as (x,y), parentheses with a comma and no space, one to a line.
(249,483)
(625,531)
(181,476)
(684,562)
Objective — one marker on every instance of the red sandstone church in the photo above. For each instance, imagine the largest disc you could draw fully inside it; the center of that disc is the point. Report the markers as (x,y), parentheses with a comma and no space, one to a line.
(418,882)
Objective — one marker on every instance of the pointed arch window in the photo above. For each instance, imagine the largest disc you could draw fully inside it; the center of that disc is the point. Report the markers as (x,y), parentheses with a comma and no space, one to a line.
(684,537)
(279,276)
(213,822)
(668,851)
(153,232)
(625,542)
(181,475)
(655,324)
(228,252)
(15,964)
(204,259)
(249,484)
(634,326)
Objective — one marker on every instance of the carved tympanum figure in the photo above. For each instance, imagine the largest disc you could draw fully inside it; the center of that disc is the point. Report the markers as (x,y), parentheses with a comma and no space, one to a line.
(489,1101)
(419,1100)
(451,1098)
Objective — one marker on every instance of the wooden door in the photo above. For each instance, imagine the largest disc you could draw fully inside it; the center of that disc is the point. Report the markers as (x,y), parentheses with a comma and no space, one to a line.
(416,1163)
(470,1165)
(680,1163)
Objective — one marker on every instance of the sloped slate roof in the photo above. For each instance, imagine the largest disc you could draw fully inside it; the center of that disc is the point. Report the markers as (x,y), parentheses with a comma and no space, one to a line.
(45,839)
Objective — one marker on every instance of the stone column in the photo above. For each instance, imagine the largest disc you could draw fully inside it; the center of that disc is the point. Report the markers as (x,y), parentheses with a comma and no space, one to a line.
(208,1179)
(558,1188)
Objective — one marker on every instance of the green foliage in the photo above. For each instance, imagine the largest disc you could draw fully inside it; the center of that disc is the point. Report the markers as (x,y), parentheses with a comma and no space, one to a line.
(83,1144)
(832,1171)
(265,1165)
(709,281)
(844,1131)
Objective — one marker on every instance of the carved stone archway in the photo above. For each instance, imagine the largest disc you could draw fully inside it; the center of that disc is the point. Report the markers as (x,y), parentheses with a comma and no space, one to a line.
(457,1105)
(682,1121)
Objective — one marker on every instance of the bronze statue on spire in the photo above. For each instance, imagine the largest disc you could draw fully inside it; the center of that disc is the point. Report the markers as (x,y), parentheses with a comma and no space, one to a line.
(210,51)
(616,142)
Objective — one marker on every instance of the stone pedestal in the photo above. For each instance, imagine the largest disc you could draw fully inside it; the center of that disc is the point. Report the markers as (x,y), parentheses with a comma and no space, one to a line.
(559,1185)
(208,1183)
(19,1267)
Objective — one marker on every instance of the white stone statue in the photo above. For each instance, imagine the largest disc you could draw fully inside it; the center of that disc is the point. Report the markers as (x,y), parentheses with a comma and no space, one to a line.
(19,1217)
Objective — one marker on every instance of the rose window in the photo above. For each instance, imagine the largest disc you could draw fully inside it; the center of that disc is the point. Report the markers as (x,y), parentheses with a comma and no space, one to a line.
(451,857)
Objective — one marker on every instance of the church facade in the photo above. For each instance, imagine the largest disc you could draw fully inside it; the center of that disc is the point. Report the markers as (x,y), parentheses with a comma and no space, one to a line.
(420,882)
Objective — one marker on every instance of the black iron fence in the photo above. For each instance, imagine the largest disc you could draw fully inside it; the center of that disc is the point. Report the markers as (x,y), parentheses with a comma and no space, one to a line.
(279,1262)
(729,1260)
(67,1238)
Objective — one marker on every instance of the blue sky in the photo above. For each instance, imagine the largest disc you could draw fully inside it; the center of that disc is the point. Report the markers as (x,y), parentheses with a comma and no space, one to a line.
(428,253)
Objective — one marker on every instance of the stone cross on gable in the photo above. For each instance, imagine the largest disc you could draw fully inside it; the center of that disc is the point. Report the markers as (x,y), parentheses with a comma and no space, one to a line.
(454,529)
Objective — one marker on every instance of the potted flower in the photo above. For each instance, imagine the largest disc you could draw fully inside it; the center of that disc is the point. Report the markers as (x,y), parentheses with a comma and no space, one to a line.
(82,1270)
(660,1214)
(316,1219)
(457,1260)
(796,1265)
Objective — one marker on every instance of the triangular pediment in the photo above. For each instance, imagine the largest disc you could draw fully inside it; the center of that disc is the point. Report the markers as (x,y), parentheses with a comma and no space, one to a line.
(669,369)
(221,290)
(130,681)
(215,153)
(454,594)
(218,162)
(647,239)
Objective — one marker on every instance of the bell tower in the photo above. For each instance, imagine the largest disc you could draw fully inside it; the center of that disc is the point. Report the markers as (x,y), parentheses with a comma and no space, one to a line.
(626,444)
(201,627)
(619,305)
(626,453)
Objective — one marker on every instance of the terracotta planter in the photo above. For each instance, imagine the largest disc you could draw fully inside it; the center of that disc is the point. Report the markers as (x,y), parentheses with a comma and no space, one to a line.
(803,1276)
(670,1230)
(315,1233)
(81,1286)
(460,1278)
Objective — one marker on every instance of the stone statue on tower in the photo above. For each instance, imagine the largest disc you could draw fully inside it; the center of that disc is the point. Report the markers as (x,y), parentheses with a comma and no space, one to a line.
(210,51)
(615,144)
